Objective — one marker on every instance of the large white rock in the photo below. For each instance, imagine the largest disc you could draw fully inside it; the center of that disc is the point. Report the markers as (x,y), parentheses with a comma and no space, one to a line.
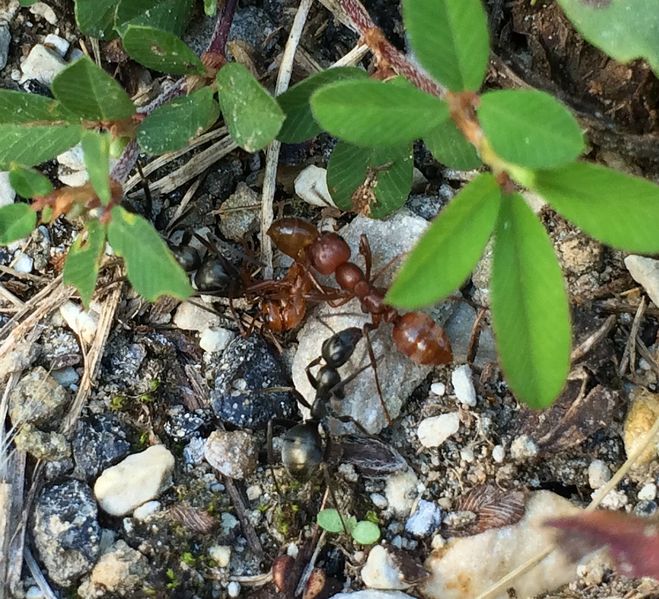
(466,567)
(380,572)
(645,272)
(42,64)
(135,480)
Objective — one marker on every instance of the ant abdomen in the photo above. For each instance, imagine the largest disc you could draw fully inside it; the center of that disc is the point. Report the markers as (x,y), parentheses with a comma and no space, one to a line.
(421,339)
(302,450)
(217,276)
(292,235)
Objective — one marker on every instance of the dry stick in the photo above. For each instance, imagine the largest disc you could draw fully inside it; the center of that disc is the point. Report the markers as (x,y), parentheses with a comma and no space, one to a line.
(38,576)
(272,154)
(592,340)
(602,492)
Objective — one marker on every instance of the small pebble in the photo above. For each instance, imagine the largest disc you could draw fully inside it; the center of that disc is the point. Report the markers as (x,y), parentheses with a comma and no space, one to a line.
(467,454)
(42,64)
(233,589)
(498,453)
(648,492)
(41,9)
(22,263)
(232,453)
(34,593)
(7,193)
(523,448)
(220,554)
(191,317)
(215,339)
(379,572)
(425,520)
(598,474)
(379,501)
(463,385)
(228,522)
(614,500)
(401,491)
(292,550)
(438,389)
(253,492)
(437,542)
(311,186)
(433,431)
(145,510)
(82,322)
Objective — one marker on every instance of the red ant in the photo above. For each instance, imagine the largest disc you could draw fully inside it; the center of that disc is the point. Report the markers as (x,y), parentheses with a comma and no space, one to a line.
(415,334)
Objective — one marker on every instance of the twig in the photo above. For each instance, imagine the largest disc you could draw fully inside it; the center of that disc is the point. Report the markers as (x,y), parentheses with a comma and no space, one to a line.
(38,576)
(602,492)
(592,340)
(629,355)
(248,529)
(272,154)
(10,297)
(352,57)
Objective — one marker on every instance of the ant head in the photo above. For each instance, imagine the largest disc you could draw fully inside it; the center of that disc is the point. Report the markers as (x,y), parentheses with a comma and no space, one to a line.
(336,350)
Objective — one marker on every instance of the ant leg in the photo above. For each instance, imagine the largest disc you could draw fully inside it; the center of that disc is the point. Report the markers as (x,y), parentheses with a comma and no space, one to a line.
(365,251)
(271,457)
(474,337)
(312,379)
(351,420)
(330,488)
(371,356)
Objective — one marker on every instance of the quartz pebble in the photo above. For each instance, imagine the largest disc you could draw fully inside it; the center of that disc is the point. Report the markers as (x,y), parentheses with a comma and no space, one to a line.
(642,413)
(220,554)
(57,42)
(438,389)
(465,567)
(647,492)
(190,317)
(146,510)
(311,186)
(233,453)
(215,339)
(41,9)
(425,520)
(135,480)
(433,431)
(645,272)
(380,572)
(233,589)
(82,322)
(598,474)
(22,263)
(498,453)
(523,448)
(463,385)
(7,193)
(42,64)
(400,491)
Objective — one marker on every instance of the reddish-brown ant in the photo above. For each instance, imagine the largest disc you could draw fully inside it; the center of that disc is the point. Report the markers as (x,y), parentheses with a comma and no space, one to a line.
(415,334)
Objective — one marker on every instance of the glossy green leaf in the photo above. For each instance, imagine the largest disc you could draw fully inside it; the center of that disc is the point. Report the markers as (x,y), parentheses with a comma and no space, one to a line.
(624,29)
(31,145)
(530,311)
(175,124)
(161,51)
(210,7)
(250,112)
(96,154)
(16,221)
(450,39)
(530,128)
(28,182)
(84,259)
(372,113)
(380,178)
(166,15)
(95,17)
(448,146)
(20,107)
(450,249)
(329,520)
(614,208)
(300,124)
(151,267)
(366,533)
(87,90)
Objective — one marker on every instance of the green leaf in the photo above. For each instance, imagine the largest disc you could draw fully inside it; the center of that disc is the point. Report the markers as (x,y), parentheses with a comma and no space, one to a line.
(19,107)
(16,221)
(530,128)
(210,7)
(31,145)
(178,122)
(84,259)
(372,113)
(330,520)
(89,92)
(28,2)
(166,15)
(96,154)
(28,182)
(614,208)
(450,39)
(448,146)
(366,533)
(530,311)
(161,51)
(450,249)
(381,175)
(151,267)
(624,29)
(250,112)
(299,124)
(95,17)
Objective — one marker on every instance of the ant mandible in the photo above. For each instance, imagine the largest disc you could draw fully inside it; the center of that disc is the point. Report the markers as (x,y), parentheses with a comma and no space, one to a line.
(415,334)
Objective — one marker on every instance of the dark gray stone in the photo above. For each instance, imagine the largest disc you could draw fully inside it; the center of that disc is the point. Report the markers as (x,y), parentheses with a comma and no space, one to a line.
(99,442)
(183,425)
(66,531)
(247,371)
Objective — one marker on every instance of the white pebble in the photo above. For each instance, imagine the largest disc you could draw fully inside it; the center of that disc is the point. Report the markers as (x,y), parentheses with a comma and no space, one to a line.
(437,542)
(34,593)
(498,453)
(438,389)
(253,492)
(82,323)
(292,550)
(145,510)
(41,9)
(614,500)
(598,474)
(380,572)
(215,339)
(467,454)
(311,186)
(463,385)
(191,317)
(523,448)
(57,42)
(233,589)
(7,193)
(648,492)
(433,431)
(220,554)
(379,501)
(42,64)
(401,491)
(22,263)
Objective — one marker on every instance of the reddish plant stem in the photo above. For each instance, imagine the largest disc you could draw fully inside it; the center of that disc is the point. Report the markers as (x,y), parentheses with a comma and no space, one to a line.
(222,27)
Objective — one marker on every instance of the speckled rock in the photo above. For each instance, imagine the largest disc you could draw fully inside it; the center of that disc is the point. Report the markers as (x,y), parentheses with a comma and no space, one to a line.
(465,567)
(642,413)
(121,571)
(232,453)
(99,442)
(41,445)
(246,372)
(183,425)
(239,213)
(66,531)
(134,481)
(37,399)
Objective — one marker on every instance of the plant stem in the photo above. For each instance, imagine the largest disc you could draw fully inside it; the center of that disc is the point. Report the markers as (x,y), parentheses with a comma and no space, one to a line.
(222,27)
